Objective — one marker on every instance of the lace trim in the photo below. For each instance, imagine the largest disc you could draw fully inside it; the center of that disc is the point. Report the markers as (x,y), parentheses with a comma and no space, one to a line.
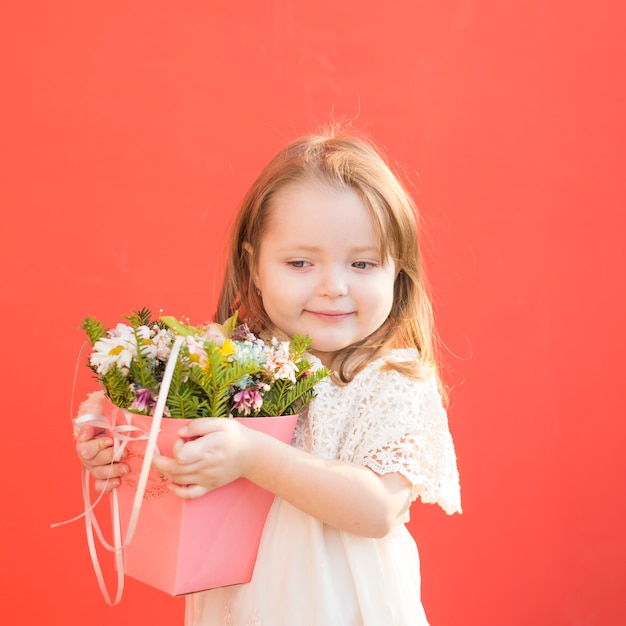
(390,423)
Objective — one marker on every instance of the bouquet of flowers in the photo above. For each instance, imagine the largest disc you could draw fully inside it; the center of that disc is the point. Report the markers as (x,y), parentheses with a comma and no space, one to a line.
(215,370)
(222,370)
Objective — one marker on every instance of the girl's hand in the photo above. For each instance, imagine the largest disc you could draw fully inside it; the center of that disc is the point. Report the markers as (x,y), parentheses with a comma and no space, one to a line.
(95,447)
(211,452)
(95,451)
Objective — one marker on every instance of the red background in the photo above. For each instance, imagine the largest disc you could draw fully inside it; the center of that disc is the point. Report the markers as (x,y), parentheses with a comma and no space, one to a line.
(130,130)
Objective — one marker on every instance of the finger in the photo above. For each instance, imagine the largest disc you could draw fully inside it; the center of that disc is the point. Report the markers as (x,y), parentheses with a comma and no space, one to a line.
(89,449)
(102,486)
(87,432)
(164,464)
(177,449)
(170,468)
(103,443)
(188,492)
(106,472)
(183,457)
(180,474)
(191,451)
(210,446)
(201,426)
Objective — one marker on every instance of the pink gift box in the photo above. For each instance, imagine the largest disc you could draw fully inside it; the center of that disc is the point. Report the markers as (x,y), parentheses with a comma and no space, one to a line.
(184,546)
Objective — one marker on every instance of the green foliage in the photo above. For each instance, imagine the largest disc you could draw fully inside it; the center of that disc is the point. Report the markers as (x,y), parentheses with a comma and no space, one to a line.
(221,370)
(140,318)
(94,329)
(117,389)
(285,399)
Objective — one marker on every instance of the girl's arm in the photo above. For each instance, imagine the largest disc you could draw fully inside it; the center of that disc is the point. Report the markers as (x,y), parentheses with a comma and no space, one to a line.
(216,451)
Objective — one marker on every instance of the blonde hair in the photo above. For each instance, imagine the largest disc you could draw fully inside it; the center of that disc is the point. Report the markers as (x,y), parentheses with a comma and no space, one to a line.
(341,160)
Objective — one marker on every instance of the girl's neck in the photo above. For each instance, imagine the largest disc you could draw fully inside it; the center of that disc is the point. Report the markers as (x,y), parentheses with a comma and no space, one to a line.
(329,359)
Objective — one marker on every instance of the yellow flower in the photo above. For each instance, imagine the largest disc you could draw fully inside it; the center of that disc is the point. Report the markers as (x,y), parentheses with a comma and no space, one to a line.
(228,348)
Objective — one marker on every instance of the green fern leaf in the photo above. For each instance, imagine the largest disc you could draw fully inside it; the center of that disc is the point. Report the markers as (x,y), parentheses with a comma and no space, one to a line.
(140,318)
(93,329)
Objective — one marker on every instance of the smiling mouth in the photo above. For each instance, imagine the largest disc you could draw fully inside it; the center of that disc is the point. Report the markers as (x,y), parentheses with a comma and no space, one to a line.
(331,316)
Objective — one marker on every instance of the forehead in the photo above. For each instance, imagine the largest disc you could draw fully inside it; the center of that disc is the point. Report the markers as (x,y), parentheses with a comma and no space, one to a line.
(311,207)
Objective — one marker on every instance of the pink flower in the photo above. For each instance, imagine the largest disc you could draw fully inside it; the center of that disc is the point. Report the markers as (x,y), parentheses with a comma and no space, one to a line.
(197,354)
(144,400)
(280,364)
(248,400)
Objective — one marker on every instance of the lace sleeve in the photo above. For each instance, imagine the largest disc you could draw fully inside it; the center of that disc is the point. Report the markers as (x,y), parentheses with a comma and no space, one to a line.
(403,427)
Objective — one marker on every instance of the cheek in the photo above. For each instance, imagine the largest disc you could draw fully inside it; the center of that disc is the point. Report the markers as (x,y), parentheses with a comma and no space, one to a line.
(385,298)
(276,295)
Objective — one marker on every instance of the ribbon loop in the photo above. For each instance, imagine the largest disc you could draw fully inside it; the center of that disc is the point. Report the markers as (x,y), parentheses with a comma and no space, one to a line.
(122,434)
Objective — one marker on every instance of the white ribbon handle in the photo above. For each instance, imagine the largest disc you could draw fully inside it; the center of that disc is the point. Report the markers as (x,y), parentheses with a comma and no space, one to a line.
(90,520)
(152,438)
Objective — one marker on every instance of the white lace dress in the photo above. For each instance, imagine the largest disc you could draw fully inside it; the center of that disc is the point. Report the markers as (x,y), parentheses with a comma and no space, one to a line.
(310,574)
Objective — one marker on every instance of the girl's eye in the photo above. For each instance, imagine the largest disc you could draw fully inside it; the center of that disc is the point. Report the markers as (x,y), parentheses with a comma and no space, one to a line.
(363,265)
(298,263)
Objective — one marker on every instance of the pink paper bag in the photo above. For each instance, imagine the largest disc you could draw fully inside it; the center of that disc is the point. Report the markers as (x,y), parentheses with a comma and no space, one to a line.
(184,546)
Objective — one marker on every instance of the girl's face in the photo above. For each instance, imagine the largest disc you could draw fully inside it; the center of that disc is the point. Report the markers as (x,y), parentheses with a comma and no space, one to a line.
(319,268)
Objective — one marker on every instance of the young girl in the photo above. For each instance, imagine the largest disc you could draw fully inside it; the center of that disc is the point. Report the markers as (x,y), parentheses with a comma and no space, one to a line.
(325,245)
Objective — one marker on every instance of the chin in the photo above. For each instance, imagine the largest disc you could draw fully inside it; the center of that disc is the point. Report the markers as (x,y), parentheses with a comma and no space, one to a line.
(327,349)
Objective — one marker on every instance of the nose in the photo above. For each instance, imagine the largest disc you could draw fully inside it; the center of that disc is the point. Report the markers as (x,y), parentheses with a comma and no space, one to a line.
(333,282)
